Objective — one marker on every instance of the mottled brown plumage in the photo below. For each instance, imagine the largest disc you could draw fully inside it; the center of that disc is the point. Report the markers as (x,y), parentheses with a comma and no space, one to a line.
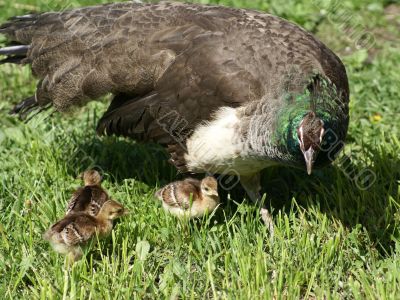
(191,58)
(190,197)
(177,68)
(75,229)
(91,197)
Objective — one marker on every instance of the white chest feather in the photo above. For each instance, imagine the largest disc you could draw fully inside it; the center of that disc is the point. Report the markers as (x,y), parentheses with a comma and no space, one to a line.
(217,148)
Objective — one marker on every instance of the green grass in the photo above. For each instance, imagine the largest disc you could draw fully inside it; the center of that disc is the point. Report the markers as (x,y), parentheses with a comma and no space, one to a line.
(332,239)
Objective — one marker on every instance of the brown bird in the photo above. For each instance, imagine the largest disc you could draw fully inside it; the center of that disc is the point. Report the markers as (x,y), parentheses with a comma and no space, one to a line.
(91,177)
(91,197)
(229,91)
(74,230)
(190,197)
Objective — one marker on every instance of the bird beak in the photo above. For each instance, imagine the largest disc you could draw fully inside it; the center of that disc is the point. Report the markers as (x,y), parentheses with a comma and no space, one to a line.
(309,158)
(126,212)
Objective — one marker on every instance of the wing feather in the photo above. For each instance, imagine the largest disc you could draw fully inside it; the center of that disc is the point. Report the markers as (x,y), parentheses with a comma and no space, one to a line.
(88,199)
(80,200)
(178,63)
(73,229)
(180,194)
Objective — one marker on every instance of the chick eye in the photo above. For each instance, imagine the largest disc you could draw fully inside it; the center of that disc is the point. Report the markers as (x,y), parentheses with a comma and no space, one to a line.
(119,210)
(207,189)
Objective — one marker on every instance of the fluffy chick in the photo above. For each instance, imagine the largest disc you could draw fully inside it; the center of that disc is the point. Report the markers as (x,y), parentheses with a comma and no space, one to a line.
(190,197)
(67,235)
(91,197)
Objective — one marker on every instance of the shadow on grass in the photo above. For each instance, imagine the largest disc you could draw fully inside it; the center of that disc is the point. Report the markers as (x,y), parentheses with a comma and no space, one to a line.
(333,189)
(122,159)
(338,194)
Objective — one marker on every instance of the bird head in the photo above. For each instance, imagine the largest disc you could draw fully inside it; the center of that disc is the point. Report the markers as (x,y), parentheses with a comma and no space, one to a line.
(91,177)
(310,133)
(112,210)
(209,187)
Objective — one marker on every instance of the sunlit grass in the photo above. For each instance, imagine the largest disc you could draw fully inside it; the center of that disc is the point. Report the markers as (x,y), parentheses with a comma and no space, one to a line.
(332,239)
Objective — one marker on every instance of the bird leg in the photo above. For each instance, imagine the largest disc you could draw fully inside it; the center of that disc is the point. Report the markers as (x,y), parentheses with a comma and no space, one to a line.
(252,186)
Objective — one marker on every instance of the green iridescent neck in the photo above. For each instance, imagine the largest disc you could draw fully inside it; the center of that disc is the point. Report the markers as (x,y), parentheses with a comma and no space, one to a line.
(290,117)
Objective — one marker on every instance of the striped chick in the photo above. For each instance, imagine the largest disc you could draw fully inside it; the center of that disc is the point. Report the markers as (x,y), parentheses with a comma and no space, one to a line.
(76,229)
(91,197)
(190,197)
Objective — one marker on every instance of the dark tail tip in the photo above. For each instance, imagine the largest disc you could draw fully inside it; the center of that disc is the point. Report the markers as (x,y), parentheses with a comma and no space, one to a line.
(20,50)
(29,108)
(13,60)
(29,17)
(15,54)
(25,108)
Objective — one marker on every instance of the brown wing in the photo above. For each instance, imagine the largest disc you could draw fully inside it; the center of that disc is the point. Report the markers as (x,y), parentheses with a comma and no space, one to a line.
(81,54)
(75,228)
(80,200)
(223,60)
(170,65)
(200,80)
(99,197)
(180,194)
(87,199)
(126,49)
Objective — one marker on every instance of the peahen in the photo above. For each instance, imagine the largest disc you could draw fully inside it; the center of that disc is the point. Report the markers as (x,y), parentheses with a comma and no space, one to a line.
(225,90)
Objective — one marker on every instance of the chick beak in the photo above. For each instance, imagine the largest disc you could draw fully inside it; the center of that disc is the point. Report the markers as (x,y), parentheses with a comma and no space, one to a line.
(309,158)
(126,212)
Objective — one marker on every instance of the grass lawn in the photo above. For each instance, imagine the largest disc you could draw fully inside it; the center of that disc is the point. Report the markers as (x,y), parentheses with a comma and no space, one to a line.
(337,235)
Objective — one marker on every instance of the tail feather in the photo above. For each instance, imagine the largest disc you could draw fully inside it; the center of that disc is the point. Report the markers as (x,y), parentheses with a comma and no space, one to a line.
(127,117)
(30,17)
(17,23)
(28,108)
(14,50)
(25,106)
(14,54)
(13,60)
